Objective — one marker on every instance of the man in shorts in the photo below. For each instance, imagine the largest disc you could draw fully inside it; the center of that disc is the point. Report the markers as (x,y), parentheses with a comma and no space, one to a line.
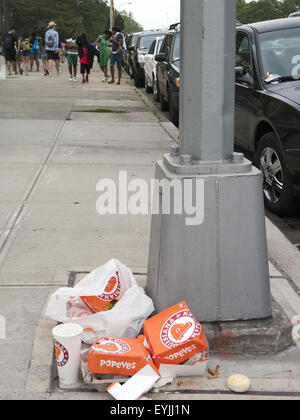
(103,44)
(9,48)
(52,47)
(72,57)
(118,42)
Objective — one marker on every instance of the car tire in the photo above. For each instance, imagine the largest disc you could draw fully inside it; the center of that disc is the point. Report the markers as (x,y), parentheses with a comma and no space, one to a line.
(138,82)
(277,182)
(131,74)
(164,106)
(147,87)
(174,115)
(155,90)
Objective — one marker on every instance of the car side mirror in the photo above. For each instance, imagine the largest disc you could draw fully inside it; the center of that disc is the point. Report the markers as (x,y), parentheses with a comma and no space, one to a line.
(160,58)
(244,77)
(239,72)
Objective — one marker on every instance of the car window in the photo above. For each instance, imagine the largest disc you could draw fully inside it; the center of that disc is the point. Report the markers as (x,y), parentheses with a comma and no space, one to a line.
(243,53)
(134,40)
(158,48)
(146,41)
(152,48)
(280,51)
(166,47)
(176,48)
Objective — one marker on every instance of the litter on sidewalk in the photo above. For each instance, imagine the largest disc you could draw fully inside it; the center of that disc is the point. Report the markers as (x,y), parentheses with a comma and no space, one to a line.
(177,342)
(135,387)
(116,356)
(107,302)
(110,310)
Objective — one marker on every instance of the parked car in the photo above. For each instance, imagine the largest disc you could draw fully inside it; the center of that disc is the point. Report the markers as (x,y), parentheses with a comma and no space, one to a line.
(131,40)
(150,67)
(168,73)
(267,107)
(139,52)
(296,14)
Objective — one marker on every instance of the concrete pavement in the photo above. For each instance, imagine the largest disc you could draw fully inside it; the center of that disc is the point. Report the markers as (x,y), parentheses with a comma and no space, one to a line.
(51,158)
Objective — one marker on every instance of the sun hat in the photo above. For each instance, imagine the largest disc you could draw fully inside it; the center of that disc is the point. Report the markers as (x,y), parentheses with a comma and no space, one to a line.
(51,24)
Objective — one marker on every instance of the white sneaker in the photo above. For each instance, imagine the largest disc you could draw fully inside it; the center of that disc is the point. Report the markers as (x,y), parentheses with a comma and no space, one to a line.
(75,80)
(105,79)
(70,78)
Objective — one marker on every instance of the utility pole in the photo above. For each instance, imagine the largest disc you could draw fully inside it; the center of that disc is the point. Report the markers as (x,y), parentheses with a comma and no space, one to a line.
(112,14)
(220,267)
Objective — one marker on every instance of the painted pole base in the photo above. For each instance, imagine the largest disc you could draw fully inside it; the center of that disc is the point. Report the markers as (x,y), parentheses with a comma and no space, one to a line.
(220,267)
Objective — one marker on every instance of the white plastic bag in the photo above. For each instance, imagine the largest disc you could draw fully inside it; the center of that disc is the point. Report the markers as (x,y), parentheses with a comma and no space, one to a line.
(125,319)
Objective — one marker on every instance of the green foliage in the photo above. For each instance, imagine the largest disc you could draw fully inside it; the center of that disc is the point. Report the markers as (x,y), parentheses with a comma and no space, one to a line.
(90,16)
(130,25)
(256,11)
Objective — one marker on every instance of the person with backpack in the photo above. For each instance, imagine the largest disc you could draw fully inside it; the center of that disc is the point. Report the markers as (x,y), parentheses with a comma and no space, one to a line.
(34,52)
(86,56)
(24,46)
(9,48)
(52,47)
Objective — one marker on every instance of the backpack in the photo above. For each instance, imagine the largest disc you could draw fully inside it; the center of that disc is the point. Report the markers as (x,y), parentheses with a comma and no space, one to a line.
(26,45)
(49,40)
(8,41)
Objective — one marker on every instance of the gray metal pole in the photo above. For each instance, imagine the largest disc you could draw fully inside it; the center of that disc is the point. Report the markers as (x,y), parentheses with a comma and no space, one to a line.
(207,79)
(220,265)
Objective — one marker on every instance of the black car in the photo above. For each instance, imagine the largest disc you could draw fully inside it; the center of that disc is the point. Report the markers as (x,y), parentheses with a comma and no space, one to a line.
(139,51)
(267,123)
(267,120)
(131,40)
(168,73)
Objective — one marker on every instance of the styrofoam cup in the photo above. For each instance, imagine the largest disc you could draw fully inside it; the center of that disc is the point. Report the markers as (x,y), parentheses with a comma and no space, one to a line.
(67,342)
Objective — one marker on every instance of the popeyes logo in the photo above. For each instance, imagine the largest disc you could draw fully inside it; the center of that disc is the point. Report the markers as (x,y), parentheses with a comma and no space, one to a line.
(62,355)
(180,328)
(112,290)
(112,345)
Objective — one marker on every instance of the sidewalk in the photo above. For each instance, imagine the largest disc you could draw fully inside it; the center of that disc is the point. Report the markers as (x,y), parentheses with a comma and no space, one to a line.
(51,159)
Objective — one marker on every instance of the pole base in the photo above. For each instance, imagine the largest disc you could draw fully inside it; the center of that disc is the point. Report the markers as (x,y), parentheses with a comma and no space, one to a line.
(219,267)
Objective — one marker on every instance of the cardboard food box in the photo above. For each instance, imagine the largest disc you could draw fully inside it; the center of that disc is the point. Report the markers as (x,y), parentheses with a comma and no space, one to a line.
(118,356)
(176,342)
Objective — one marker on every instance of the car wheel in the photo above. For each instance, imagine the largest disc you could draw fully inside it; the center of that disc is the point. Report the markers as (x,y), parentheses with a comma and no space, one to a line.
(147,87)
(155,90)
(164,106)
(174,115)
(138,82)
(277,183)
(131,74)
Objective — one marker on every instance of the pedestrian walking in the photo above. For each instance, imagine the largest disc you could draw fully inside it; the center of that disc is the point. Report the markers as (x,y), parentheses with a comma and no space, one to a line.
(24,47)
(86,57)
(52,47)
(9,48)
(34,52)
(72,56)
(118,45)
(44,56)
(19,57)
(103,44)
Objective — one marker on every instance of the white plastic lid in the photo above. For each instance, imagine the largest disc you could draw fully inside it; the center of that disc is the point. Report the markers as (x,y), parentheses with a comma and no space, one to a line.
(67,330)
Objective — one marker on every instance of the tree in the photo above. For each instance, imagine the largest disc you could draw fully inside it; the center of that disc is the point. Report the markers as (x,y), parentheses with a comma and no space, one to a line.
(256,11)
(34,15)
(130,24)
